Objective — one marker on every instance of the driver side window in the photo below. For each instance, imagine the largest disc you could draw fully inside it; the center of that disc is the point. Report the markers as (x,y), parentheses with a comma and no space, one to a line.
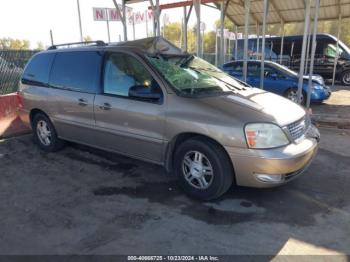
(123,71)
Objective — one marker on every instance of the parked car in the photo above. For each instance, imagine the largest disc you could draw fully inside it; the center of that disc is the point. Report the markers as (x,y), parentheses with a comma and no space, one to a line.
(325,54)
(148,100)
(279,79)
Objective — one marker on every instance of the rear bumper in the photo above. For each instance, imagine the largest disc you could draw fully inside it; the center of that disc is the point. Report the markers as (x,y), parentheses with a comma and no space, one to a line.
(285,162)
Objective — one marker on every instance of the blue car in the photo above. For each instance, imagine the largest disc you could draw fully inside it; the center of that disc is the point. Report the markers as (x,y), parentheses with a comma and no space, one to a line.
(279,79)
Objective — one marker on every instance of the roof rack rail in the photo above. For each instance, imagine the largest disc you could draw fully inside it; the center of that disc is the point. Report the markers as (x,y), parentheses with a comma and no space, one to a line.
(98,43)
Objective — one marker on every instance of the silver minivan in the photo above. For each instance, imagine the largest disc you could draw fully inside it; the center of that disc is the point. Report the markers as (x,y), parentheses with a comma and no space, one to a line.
(149,100)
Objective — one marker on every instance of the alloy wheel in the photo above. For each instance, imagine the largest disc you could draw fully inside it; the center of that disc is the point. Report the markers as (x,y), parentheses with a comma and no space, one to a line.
(44,133)
(346,78)
(293,96)
(197,170)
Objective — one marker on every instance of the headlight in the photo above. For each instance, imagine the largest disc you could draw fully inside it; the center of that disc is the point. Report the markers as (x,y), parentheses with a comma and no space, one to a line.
(263,135)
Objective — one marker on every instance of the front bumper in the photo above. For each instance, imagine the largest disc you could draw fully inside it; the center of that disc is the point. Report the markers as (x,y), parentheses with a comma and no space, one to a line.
(286,162)
(319,95)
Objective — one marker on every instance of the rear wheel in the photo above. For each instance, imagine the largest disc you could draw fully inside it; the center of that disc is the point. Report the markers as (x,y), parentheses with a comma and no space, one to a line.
(45,134)
(345,78)
(203,169)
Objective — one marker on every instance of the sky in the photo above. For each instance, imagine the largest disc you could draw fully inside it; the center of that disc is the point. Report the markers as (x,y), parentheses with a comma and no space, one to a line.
(33,19)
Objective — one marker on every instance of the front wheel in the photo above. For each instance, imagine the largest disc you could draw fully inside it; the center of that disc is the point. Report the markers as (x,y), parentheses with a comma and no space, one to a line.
(345,78)
(203,169)
(292,94)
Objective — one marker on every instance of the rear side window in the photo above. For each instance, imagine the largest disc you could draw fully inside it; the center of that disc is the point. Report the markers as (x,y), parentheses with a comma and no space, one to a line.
(77,71)
(38,69)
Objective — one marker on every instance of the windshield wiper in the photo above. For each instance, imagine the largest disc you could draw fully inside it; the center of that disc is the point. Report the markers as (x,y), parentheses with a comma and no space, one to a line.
(204,91)
(186,61)
(228,85)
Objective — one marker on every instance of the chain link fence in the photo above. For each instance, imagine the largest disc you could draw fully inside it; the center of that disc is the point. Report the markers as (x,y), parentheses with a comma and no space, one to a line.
(12,63)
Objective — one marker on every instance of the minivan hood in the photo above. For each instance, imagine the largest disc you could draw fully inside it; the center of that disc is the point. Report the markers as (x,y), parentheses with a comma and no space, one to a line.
(282,110)
(315,78)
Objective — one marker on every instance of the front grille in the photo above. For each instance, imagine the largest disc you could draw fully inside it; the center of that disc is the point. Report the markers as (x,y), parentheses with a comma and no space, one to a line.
(298,129)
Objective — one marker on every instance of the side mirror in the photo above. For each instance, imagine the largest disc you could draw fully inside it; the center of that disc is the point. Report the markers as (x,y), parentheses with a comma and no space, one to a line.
(144,93)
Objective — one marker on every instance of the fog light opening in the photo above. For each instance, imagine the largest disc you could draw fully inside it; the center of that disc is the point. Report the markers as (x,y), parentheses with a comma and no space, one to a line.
(270,178)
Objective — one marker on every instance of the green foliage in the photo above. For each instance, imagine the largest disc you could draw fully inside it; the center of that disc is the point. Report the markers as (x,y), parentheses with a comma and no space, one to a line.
(173,32)
(209,42)
(39,46)
(87,38)
(228,24)
(10,43)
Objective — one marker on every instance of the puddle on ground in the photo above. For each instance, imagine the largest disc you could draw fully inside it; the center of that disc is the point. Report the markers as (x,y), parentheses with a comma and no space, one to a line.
(237,206)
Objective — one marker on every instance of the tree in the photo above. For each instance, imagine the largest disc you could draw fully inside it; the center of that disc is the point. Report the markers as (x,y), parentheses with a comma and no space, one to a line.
(172,32)
(228,24)
(39,46)
(10,43)
(87,38)
(209,42)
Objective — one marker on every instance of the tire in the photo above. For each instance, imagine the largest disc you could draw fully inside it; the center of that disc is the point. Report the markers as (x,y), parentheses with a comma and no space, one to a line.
(190,174)
(292,94)
(45,135)
(345,78)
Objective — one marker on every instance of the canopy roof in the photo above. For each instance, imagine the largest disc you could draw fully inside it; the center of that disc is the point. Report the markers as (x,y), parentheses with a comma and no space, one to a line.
(287,11)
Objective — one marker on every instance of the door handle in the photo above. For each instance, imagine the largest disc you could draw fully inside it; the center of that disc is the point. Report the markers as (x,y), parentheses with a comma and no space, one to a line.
(82,102)
(106,106)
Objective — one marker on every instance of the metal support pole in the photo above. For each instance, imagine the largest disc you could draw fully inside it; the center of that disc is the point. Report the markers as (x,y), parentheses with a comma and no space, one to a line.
(216,48)
(122,15)
(313,49)
(282,41)
(124,22)
(154,17)
(185,30)
(337,49)
(197,7)
(257,39)
(158,17)
(262,67)
(236,42)
(307,64)
(303,51)
(80,27)
(245,51)
(108,34)
(146,23)
(222,24)
(229,48)
(271,48)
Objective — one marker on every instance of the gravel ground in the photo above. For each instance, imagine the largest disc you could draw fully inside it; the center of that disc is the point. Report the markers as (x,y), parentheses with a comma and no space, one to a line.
(84,201)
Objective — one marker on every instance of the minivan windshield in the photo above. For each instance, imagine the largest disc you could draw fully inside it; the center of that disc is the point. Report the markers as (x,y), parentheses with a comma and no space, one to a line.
(191,76)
